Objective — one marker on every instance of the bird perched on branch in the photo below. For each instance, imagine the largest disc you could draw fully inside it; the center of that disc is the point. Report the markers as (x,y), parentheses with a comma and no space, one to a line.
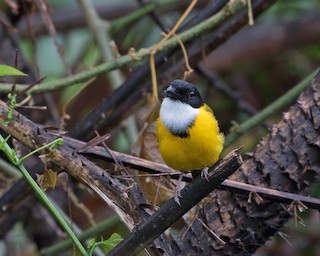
(187,130)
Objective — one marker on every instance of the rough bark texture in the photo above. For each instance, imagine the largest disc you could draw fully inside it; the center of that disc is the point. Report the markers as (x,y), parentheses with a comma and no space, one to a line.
(287,159)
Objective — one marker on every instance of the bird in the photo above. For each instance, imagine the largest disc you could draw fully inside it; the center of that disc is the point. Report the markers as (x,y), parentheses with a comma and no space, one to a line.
(187,131)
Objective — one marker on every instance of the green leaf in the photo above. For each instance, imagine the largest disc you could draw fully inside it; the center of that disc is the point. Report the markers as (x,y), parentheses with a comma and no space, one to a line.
(112,242)
(10,71)
(91,243)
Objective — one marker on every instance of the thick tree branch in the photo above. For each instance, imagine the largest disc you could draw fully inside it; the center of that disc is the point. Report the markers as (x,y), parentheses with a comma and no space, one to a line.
(170,212)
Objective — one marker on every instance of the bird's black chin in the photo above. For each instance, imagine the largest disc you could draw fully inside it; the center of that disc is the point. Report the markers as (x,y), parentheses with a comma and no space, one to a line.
(181,134)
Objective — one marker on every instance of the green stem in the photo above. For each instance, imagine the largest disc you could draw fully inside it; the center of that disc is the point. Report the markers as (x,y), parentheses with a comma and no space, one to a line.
(13,101)
(275,107)
(52,145)
(96,244)
(229,10)
(9,169)
(44,199)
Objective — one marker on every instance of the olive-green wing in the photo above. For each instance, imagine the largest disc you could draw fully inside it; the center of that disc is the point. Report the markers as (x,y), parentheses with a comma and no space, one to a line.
(207,108)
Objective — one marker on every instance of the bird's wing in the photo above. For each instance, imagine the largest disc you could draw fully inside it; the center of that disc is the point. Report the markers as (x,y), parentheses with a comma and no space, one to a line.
(207,108)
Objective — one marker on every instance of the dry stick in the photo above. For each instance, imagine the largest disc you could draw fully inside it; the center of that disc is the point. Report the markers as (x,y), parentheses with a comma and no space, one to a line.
(219,85)
(32,85)
(161,169)
(276,195)
(185,55)
(192,194)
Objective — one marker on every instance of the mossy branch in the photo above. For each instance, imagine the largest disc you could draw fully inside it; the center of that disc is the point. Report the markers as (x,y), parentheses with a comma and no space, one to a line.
(227,12)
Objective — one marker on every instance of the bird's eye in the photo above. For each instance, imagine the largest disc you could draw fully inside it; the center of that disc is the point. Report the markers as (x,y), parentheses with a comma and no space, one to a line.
(191,94)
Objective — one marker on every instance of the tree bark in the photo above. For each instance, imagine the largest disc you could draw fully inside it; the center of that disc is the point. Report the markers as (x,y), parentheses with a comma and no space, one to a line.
(287,159)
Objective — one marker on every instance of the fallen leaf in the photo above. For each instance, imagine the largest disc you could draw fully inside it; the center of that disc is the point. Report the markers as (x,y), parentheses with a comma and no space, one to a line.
(47,180)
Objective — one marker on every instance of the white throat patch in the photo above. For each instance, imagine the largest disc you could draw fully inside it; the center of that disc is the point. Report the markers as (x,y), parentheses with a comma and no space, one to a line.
(177,116)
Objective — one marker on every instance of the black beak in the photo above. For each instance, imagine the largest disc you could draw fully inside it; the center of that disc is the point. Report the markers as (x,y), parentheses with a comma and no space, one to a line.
(171,93)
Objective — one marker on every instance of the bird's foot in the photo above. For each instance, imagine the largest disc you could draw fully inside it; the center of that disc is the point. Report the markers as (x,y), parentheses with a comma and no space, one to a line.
(205,173)
(179,187)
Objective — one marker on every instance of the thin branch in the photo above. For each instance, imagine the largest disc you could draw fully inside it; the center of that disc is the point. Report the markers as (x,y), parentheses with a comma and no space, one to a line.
(157,168)
(225,89)
(272,194)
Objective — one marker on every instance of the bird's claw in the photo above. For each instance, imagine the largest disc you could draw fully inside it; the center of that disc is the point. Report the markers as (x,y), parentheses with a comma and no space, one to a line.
(205,173)
(179,187)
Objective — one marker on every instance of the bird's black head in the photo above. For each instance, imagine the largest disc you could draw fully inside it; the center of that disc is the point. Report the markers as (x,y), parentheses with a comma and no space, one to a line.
(184,92)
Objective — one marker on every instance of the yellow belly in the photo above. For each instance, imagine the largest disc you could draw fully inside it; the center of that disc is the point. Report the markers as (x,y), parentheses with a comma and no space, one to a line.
(200,149)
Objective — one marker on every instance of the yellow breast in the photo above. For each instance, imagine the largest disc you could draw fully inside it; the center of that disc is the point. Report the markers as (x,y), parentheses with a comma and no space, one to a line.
(198,150)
